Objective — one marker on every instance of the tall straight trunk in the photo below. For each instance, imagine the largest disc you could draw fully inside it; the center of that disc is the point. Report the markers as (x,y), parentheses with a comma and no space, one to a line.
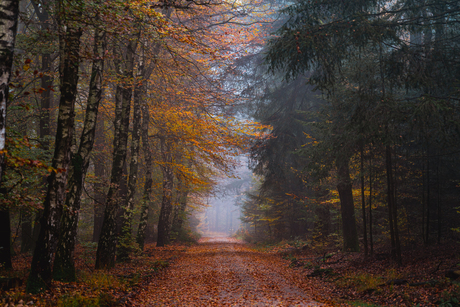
(371,235)
(428,200)
(99,172)
(347,208)
(126,231)
(363,203)
(423,201)
(64,263)
(106,249)
(40,273)
(392,210)
(5,239)
(164,222)
(438,201)
(9,11)
(140,239)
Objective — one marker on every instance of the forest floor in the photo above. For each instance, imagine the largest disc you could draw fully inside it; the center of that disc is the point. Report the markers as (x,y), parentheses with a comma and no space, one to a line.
(221,271)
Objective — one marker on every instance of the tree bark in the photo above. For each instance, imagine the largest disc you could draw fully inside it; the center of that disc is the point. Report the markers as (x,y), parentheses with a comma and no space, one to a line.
(164,222)
(371,234)
(99,172)
(9,11)
(363,203)
(5,239)
(64,264)
(40,274)
(344,187)
(392,210)
(106,249)
(126,231)
(148,178)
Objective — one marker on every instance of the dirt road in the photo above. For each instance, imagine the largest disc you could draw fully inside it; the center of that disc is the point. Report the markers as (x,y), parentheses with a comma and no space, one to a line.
(224,272)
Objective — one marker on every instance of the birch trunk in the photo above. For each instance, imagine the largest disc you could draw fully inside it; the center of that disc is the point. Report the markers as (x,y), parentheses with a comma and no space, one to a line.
(9,11)
(106,249)
(64,264)
(40,273)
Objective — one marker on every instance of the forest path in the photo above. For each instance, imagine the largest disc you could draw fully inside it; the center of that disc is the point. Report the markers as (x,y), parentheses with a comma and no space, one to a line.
(222,271)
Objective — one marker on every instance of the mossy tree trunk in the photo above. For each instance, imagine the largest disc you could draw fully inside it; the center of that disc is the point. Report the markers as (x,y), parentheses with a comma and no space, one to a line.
(140,239)
(40,273)
(9,12)
(124,63)
(126,230)
(64,264)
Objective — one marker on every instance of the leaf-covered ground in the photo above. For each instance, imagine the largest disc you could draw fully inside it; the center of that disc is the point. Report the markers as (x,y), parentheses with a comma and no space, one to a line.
(224,272)
(350,279)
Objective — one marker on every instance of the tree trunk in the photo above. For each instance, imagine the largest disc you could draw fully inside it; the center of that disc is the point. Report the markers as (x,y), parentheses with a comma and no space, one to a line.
(344,187)
(164,222)
(363,204)
(106,249)
(9,12)
(5,239)
(64,264)
(40,273)
(392,210)
(371,234)
(126,231)
(99,172)
(148,178)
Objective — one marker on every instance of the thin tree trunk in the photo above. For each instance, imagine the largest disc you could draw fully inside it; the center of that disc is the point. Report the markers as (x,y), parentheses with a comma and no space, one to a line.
(428,199)
(99,172)
(395,247)
(423,200)
(344,187)
(164,222)
(363,204)
(106,249)
(371,235)
(438,202)
(40,273)
(126,231)
(148,178)
(64,263)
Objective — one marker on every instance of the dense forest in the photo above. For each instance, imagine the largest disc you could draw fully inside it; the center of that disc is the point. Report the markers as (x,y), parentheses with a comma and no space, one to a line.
(362,98)
(128,123)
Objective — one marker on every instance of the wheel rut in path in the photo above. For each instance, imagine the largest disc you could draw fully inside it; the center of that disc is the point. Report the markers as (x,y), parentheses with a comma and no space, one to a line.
(224,272)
